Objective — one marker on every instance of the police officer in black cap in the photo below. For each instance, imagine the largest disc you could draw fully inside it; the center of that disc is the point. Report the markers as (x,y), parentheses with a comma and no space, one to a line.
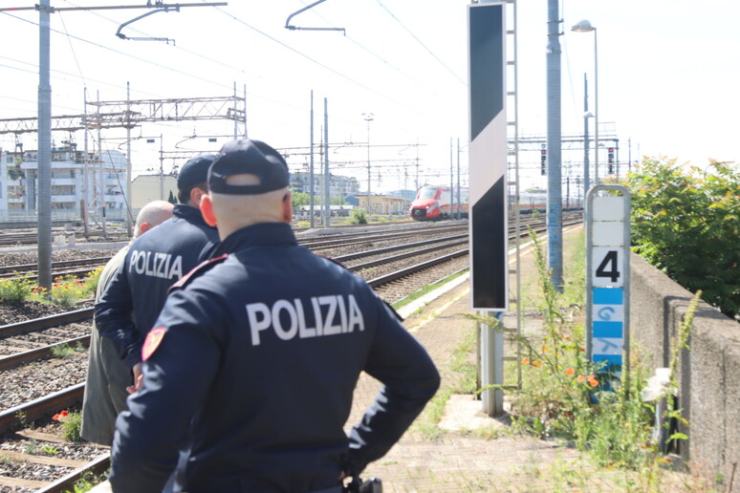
(131,303)
(256,354)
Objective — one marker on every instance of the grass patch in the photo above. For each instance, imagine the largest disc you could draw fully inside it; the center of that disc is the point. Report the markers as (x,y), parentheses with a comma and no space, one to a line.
(464,364)
(428,422)
(49,450)
(86,483)
(71,425)
(427,289)
(67,351)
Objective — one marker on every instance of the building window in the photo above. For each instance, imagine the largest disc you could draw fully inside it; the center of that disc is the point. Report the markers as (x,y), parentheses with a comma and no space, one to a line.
(62,189)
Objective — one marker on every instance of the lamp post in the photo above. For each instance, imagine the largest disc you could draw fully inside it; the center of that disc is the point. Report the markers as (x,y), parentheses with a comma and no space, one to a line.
(586,164)
(585,27)
(368,117)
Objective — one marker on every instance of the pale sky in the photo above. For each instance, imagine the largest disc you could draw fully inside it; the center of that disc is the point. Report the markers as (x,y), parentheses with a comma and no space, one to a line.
(668,75)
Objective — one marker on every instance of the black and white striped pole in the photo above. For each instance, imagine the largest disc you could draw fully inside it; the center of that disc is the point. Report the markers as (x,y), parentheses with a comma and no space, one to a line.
(488,191)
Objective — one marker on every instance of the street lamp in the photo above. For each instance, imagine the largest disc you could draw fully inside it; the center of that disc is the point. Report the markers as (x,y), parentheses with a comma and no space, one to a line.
(368,117)
(585,27)
(586,180)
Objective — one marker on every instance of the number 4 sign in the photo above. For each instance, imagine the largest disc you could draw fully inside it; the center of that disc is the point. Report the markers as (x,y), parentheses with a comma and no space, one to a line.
(607,290)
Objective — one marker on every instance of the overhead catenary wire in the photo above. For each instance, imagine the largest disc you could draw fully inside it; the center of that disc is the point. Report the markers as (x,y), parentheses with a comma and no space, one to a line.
(421,43)
(320,64)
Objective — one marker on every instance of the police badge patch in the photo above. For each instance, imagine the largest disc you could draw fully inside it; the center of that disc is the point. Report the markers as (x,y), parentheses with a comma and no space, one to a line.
(152,342)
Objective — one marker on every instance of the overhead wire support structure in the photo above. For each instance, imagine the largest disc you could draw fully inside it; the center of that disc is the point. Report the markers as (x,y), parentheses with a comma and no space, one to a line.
(293,27)
(45,8)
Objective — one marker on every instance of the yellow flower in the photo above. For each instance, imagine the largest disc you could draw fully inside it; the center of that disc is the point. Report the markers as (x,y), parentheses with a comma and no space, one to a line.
(536,363)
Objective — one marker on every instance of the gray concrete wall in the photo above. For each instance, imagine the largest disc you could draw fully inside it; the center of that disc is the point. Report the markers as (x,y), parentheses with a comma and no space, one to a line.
(709,371)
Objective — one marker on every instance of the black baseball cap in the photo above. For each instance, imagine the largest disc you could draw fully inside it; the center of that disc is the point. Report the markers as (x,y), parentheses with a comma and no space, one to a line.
(194,172)
(248,156)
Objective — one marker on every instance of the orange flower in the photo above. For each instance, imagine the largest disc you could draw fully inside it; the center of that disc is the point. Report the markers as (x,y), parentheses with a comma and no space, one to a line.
(536,363)
(570,372)
(592,381)
(525,361)
(581,378)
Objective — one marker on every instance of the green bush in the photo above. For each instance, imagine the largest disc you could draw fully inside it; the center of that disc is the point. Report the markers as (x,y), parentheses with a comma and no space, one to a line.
(686,222)
(15,291)
(359,216)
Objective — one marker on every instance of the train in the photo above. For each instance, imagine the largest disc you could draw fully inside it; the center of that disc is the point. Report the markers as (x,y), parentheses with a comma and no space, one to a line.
(434,202)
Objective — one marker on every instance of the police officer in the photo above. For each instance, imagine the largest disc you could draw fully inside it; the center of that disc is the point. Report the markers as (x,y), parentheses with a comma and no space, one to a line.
(256,354)
(131,303)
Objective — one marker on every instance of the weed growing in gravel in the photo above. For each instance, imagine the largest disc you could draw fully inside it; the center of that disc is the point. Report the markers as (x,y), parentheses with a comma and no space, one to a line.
(359,216)
(71,427)
(66,351)
(31,448)
(50,450)
(86,483)
(68,291)
(71,423)
(15,291)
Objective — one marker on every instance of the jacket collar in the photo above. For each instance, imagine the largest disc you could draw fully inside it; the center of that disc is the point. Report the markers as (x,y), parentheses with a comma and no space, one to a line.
(263,234)
(190,214)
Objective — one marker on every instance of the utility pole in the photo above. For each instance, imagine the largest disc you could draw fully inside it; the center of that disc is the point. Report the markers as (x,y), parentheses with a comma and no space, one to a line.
(368,118)
(44,151)
(417,164)
(44,116)
(95,177)
(554,192)
(85,171)
(452,182)
(629,155)
(129,218)
(327,176)
(459,204)
(310,167)
(161,168)
(586,116)
(246,132)
(236,123)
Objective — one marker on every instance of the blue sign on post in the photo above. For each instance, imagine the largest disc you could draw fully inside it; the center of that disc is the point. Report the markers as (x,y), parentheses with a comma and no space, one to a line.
(608,274)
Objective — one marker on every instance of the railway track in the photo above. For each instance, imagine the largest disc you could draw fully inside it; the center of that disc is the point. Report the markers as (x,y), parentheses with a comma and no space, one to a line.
(84,315)
(82,267)
(70,397)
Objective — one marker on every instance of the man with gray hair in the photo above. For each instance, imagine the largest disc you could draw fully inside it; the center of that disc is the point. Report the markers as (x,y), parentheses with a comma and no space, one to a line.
(107,375)
(252,363)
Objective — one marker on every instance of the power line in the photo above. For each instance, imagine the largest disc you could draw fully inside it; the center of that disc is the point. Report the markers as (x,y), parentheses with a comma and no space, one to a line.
(156,64)
(72,49)
(319,63)
(421,43)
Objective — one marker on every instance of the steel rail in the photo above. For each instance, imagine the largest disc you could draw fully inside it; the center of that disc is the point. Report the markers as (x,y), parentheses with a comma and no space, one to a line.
(42,407)
(413,269)
(402,256)
(67,482)
(10,270)
(15,360)
(42,323)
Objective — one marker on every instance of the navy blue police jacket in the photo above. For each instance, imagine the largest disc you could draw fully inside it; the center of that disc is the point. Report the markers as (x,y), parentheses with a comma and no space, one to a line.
(252,365)
(156,260)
